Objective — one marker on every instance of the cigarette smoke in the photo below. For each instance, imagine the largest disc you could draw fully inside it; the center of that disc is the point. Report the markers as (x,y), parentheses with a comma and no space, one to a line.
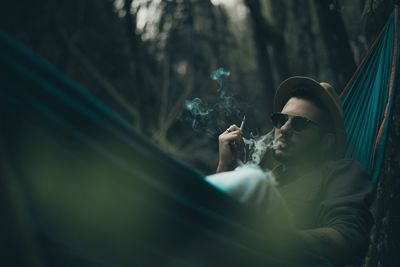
(277,144)
(219,74)
(255,147)
(211,118)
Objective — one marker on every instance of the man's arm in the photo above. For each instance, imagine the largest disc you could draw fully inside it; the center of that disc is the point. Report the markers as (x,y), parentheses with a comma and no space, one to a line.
(345,211)
(328,242)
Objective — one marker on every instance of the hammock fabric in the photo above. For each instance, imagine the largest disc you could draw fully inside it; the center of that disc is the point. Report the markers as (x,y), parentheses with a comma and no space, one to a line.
(368,99)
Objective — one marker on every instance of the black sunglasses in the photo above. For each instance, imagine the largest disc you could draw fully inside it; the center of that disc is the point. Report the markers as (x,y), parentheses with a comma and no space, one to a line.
(298,123)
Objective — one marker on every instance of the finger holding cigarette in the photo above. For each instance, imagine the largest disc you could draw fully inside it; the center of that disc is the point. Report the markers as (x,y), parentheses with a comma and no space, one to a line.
(229,141)
(233,136)
(232,128)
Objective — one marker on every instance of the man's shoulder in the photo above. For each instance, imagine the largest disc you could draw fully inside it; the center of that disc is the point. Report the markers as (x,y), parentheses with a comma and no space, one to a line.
(345,168)
(344,163)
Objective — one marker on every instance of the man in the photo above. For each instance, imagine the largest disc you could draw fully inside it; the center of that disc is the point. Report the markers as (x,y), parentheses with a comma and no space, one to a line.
(327,196)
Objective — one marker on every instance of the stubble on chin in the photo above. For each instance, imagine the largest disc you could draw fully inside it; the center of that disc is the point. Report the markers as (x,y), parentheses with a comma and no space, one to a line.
(279,156)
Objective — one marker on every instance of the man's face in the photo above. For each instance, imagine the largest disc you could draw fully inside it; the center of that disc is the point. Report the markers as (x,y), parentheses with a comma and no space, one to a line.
(298,146)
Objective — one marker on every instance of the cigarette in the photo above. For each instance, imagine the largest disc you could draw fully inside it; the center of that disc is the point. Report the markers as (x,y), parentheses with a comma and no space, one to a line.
(242,124)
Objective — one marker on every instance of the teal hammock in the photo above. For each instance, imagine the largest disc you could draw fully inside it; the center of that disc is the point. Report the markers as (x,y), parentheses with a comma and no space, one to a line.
(81,187)
(368,99)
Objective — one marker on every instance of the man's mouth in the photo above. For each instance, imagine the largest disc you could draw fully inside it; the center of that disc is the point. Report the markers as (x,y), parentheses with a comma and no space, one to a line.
(280,144)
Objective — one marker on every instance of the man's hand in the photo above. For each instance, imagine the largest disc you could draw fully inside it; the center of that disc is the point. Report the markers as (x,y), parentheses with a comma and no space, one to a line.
(229,142)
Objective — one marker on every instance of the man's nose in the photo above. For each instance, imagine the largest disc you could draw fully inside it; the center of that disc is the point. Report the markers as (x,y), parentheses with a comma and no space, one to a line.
(286,128)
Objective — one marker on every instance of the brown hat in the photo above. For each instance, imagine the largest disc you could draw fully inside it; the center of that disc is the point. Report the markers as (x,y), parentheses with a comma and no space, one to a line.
(329,98)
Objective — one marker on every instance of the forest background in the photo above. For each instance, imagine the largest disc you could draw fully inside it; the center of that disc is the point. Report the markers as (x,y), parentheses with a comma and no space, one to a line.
(146,59)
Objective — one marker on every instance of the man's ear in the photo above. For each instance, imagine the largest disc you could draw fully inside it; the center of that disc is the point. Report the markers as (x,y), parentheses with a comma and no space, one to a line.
(328,141)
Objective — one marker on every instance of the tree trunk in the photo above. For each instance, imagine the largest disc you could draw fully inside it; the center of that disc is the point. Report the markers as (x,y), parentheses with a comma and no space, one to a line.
(266,37)
(336,41)
(135,71)
(385,244)
(375,15)
(297,19)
